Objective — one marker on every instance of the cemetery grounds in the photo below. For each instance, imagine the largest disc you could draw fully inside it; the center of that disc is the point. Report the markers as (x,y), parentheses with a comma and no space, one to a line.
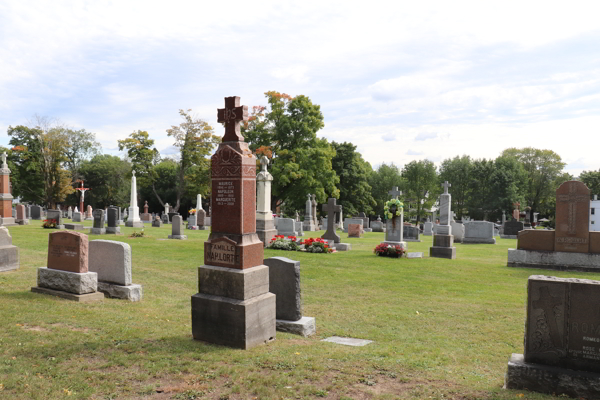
(442,329)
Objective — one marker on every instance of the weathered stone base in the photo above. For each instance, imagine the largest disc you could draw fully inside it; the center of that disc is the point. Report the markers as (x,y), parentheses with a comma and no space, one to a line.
(401,244)
(343,246)
(113,230)
(305,326)
(236,323)
(75,227)
(546,379)
(9,221)
(98,231)
(136,224)
(71,282)
(81,298)
(509,237)
(10,258)
(368,229)
(180,237)
(233,283)
(412,240)
(265,236)
(309,227)
(131,292)
(23,222)
(557,260)
(442,252)
(467,240)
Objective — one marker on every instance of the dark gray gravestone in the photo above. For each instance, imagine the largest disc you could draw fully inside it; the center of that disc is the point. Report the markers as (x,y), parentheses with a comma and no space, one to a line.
(36,212)
(98,218)
(331,208)
(165,218)
(176,225)
(512,227)
(57,215)
(171,214)
(411,233)
(284,282)
(113,220)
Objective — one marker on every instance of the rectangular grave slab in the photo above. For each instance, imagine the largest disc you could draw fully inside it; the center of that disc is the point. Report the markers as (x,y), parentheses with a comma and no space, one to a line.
(284,282)
(347,341)
(479,232)
(70,282)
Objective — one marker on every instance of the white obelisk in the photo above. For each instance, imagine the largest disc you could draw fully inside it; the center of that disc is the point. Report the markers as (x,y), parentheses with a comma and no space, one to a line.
(133,219)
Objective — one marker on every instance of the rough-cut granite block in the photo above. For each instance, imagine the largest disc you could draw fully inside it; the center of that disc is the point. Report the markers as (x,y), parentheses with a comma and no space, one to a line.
(305,326)
(240,284)
(556,260)
(131,292)
(71,282)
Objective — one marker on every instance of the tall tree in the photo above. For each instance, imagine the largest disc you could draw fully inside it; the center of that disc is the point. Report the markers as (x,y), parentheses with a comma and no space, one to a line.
(286,131)
(457,171)
(422,187)
(38,155)
(82,146)
(544,169)
(592,180)
(195,140)
(106,175)
(354,172)
(382,180)
(143,156)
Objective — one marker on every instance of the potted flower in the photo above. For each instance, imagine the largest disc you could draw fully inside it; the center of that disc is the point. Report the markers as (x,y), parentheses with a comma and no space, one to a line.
(388,250)
(316,245)
(280,242)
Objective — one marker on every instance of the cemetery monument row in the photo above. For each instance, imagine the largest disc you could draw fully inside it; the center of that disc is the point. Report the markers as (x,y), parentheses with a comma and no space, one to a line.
(233,306)
(571,245)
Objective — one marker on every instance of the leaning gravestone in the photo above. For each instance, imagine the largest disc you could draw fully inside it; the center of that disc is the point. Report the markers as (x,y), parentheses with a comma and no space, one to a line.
(98,228)
(67,274)
(284,283)
(479,232)
(113,220)
(9,254)
(176,223)
(233,305)
(111,260)
(562,339)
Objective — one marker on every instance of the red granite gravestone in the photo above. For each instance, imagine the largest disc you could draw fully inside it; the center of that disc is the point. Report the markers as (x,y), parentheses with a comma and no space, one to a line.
(68,251)
(572,217)
(355,230)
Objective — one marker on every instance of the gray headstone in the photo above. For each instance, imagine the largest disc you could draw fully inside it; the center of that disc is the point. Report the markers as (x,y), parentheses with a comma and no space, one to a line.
(176,224)
(113,217)
(411,232)
(111,260)
(284,282)
(458,231)
(512,227)
(76,216)
(36,212)
(479,232)
(287,227)
(392,229)
(98,215)
(54,214)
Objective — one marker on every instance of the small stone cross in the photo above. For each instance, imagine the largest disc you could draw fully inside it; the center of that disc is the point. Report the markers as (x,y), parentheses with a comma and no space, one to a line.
(547,302)
(231,116)
(395,193)
(331,208)
(446,185)
(264,161)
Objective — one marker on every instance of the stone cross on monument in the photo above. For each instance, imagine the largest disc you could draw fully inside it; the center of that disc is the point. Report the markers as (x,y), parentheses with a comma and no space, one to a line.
(231,116)
(446,185)
(331,208)
(395,193)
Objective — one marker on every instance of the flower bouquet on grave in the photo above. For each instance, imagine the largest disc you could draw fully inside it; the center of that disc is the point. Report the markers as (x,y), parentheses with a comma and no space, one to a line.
(316,245)
(50,224)
(280,242)
(388,250)
(192,211)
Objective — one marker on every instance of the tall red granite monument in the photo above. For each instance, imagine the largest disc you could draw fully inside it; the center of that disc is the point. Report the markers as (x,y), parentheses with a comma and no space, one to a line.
(233,306)
(6,218)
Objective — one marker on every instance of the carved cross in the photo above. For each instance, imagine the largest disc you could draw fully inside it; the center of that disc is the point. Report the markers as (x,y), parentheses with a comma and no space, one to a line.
(446,185)
(264,161)
(231,116)
(572,198)
(331,208)
(547,302)
(395,193)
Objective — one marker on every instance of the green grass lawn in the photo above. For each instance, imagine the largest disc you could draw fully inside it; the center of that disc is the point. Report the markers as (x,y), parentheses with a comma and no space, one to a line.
(441,328)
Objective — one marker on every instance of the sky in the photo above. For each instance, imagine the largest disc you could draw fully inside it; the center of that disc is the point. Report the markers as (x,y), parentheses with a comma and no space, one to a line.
(400,80)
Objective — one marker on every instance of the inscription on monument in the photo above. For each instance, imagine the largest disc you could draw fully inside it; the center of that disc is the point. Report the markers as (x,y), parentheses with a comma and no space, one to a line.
(572,217)
(223,253)
(225,193)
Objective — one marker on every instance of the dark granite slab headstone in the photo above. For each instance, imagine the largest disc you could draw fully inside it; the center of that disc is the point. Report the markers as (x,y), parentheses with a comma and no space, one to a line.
(98,215)
(512,227)
(113,217)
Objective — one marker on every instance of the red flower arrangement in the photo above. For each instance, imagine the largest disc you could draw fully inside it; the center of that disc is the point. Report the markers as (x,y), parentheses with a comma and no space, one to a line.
(388,250)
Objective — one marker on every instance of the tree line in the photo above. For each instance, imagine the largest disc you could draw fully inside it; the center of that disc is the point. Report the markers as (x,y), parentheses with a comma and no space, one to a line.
(48,161)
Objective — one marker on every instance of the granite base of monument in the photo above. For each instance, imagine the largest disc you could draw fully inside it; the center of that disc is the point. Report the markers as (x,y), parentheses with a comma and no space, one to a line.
(131,292)
(9,221)
(134,224)
(509,237)
(476,240)
(23,222)
(74,227)
(401,244)
(236,323)
(443,247)
(305,326)
(549,379)
(343,246)
(556,260)
(179,237)
(265,229)
(113,229)
(98,231)
(81,298)
(81,287)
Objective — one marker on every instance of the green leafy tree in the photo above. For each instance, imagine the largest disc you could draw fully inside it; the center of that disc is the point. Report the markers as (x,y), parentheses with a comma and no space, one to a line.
(354,172)
(195,140)
(382,180)
(301,164)
(592,180)
(37,159)
(421,188)
(166,174)
(107,177)
(544,169)
(457,171)
(82,145)
(143,156)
